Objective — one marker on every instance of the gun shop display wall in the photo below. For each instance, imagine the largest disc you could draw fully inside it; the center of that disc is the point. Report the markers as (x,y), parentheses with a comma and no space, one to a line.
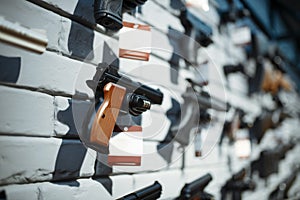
(149,99)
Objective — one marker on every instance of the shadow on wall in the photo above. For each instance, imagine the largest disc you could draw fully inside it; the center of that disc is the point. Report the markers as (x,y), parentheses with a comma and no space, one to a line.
(66,116)
(174,37)
(106,182)
(81,39)
(69,159)
(10,68)
(165,148)
(72,152)
(3,195)
(110,57)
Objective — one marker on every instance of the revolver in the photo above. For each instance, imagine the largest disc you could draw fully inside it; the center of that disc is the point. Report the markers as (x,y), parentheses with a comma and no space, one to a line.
(115,93)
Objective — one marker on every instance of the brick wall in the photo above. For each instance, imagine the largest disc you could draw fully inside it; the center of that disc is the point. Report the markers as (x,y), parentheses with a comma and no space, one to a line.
(42,156)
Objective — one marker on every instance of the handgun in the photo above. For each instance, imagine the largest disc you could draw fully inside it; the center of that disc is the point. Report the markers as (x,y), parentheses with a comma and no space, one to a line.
(108,13)
(236,185)
(266,164)
(193,100)
(199,34)
(269,159)
(281,191)
(228,69)
(181,127)
(204,120)
(195,189)
(284,148)
(230,11)
(266,121)
(115,93)
(148,193)
(231,126)
(190,22)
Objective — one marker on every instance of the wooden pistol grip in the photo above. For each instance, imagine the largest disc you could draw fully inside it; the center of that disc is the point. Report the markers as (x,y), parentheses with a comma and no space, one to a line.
(106,117)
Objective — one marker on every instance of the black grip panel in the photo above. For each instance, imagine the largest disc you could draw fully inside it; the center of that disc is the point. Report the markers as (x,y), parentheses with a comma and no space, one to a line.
(108,13)
(196,188)
(129,5)
(149,193)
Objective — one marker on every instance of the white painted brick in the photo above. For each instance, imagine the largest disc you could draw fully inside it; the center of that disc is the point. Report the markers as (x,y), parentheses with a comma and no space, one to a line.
(15,192)
(156,20)
(78,189)
(26,159)
(211,154)
(27,16)
(29,159)
(219,174)
(155,125)
(64,35)
(152,161)
(210,17)
(86,44)
(285,167)
(81,189)
(172,181)
(69,115)
(65,75)
(51,71)
(239,100)
(160,43)
(83,10)
(121,185)
(25,112)
(155,73)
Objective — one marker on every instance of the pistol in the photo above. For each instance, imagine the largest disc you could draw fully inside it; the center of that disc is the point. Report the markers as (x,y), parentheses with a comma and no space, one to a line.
(115,93)
(108,13)
(267,120)
(268,161)
(195,189)
(148,193)
(284,148)
(228,69)
(191,22)
(194,99)
(266,164)
(231,11)
(236,185)
(281,191)
(231,126)
(197,31)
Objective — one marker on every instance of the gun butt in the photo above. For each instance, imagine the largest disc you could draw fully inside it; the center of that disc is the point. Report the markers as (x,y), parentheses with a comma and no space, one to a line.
(107,114)
(148,193)
(195,188)
(108,13)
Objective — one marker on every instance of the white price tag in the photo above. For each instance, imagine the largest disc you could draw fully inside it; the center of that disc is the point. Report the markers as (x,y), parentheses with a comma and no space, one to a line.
(135,41)
(126,147)
(203,4)
(242,148)
(241,35)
